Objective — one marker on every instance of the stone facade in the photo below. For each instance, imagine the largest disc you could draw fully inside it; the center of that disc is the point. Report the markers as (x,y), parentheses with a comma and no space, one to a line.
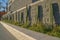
(45,11)
(17,4)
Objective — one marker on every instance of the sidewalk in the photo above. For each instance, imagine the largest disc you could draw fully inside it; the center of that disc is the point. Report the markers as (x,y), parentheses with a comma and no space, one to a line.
(24,34)
(17,34)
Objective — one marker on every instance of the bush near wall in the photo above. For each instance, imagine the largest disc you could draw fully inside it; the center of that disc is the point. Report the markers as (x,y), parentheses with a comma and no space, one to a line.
(39,28)
(55,32)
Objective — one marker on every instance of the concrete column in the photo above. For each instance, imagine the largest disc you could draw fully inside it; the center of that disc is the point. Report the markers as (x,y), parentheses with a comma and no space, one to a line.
(46,13)
(14,17)
(34,12)
(25,13)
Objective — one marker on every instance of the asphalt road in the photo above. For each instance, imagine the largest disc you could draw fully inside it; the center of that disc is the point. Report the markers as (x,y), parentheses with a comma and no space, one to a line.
(5,35)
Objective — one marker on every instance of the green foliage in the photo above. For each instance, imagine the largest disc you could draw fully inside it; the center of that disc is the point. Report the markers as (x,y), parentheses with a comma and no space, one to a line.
(39,27)
(26,25)
(55,32)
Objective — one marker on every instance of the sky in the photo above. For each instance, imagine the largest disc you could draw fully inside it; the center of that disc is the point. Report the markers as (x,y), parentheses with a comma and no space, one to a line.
(3,4)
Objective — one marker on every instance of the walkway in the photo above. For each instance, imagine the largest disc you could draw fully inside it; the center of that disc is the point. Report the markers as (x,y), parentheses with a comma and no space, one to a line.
(21,33)
(5,35)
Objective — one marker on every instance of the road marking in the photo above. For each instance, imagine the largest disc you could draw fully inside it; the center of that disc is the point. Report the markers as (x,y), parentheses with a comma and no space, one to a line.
(19,35)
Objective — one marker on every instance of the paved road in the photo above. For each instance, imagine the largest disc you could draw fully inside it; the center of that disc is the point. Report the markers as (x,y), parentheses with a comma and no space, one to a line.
(19,33)
(5,35)
(33,34)
(36,35)
(16,33)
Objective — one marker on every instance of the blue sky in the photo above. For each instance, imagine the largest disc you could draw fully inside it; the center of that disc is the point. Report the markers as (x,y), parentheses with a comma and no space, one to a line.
(3,4)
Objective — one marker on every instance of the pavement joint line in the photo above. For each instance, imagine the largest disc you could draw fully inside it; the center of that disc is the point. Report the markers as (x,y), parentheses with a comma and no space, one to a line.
(19,35)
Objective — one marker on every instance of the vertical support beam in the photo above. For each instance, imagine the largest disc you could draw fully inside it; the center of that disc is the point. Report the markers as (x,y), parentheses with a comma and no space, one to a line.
(25,13)
(46,13)
(14,17)
(34,12)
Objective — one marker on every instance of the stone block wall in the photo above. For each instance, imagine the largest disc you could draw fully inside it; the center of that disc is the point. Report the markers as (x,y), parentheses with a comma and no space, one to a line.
(17,4)
(40,11)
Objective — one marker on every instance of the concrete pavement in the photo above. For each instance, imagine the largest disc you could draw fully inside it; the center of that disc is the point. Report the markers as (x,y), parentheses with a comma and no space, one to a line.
(5,35)
(24,34)
(16,33)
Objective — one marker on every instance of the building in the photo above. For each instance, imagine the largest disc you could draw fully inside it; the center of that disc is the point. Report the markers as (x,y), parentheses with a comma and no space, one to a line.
(1,14)
(34,11)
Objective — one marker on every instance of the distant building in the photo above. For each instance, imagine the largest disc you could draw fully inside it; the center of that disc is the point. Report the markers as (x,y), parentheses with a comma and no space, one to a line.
(1,14)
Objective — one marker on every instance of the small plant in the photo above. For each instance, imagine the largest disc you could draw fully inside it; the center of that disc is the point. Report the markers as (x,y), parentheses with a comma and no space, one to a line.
(38,27)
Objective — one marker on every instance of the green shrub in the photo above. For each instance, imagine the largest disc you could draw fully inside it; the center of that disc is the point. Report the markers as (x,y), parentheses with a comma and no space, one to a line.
(39,27)
(55,32)
(26,25)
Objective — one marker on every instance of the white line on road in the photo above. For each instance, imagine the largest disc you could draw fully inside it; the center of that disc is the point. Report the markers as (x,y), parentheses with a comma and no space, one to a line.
(19,35)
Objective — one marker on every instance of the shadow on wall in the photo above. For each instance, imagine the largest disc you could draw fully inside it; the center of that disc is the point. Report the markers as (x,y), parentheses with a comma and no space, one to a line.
(34,1)
(29,15)
(40,13)
(22,17)
(56,13)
